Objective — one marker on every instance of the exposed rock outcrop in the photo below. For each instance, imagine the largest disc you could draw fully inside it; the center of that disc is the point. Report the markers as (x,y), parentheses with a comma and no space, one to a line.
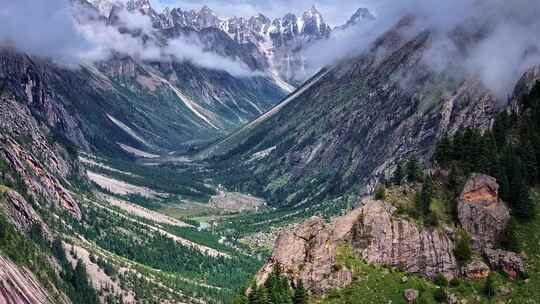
(309,252)
(509,262)
(481,212)
(19,286)
(475,270)
(380,238)
(20,212)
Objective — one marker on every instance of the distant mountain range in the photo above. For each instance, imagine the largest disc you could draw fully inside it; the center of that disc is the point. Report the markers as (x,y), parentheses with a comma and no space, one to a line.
(276,44)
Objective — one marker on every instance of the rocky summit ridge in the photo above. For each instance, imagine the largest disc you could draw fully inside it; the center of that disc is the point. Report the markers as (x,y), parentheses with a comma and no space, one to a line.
(279,42)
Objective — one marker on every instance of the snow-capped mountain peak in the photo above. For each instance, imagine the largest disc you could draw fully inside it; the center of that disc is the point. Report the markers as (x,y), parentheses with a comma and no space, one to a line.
(362,14)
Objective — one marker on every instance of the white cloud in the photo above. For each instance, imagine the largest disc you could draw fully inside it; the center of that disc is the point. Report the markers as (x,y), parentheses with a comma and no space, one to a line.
(50,30)
(509,45)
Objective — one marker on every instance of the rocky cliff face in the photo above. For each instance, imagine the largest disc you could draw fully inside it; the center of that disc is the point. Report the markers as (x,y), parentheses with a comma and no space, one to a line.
(25,144)
(481,212)
(18,285)
(310,251)
(381,239)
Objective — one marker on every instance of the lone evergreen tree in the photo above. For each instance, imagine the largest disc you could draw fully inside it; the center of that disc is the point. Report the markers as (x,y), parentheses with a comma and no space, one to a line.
(510,239)
(490,289)
(414,172)
(463,250)
(399,175)
(380,192)
(524,206)
(300,294)
(240,299)
(444,151)
(425,197)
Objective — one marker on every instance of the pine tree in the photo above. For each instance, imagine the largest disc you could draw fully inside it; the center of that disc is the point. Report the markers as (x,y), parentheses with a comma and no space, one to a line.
(253,294)
(463,251)
(414,172)
(380,192)
(300,293)
(457,146)
(277,287)
(488,161)
(398,175)
(258,295)
(84,290)
(240,299)
(490,289)
(524,206)
(529,161)
(516,177)
(444,151)
(510,240)
(425,197)
(504,190)
(500,128)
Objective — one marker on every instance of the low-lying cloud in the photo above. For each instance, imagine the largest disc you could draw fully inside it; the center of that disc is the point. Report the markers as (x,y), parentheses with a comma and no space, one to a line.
(50,29)
(508,46)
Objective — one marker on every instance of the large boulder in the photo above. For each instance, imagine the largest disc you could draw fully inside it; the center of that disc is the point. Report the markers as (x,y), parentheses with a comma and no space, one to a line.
(411,295)
(481,212)
(309,252)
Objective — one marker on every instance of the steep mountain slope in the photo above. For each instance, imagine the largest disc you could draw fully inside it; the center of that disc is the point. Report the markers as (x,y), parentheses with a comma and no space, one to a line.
(346,127)
(62,239)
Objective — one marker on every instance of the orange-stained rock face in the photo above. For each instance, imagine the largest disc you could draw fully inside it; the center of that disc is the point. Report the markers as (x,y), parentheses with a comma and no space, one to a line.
(480,211)
(483,194)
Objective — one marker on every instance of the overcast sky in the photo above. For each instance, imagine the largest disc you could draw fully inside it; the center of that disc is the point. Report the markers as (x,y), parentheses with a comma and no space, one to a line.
(335,12)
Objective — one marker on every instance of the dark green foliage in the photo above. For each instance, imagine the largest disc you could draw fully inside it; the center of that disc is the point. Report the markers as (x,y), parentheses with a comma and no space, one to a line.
(523,206)
(278,287)
(463,251)
(79,289)
(425,197)
(441,280)
(399,175)
(2,230)
(276,290)
(300,293)
(380,192)
(455,282)
(510,151)
(30,252)
(413,170)
(160,252)
(443,152)
(240,299)
(510,239)
(84,292)
(491,286)
(440,295)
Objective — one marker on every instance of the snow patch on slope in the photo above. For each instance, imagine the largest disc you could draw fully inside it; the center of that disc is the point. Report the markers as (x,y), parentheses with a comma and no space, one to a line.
(128,130)
(190,104)
(137,152)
